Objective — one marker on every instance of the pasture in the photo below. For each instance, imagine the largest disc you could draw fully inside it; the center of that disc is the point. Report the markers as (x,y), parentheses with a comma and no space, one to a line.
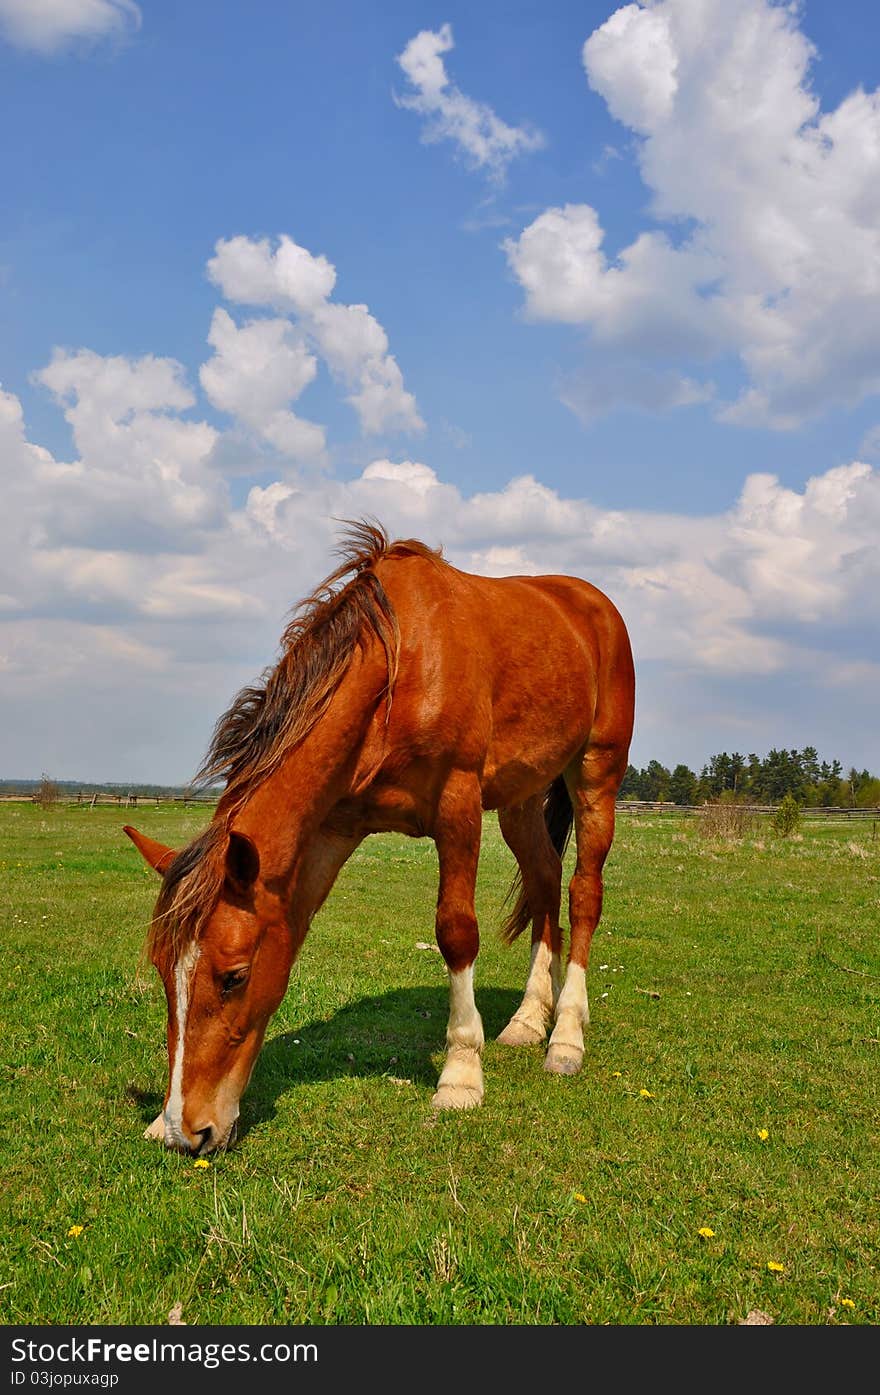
(729,1088)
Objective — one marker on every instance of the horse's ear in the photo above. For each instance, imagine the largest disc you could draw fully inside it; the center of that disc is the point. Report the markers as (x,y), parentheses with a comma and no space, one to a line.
(156,854)
(242,862)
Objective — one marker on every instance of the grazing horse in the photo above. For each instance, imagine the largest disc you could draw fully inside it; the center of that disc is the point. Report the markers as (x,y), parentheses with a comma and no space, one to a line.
(409,697)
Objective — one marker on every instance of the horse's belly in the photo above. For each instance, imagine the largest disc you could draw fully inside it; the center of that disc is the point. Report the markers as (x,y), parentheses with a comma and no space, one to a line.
(513,773)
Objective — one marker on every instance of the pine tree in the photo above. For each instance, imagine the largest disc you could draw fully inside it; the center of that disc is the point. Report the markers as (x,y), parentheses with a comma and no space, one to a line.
(683,785)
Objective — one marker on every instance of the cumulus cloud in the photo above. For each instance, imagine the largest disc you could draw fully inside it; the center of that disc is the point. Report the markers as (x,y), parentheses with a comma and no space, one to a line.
(781,267)
(290,279)
(256,371)
(483,139)
(813,555)
(142,476)
(45,26)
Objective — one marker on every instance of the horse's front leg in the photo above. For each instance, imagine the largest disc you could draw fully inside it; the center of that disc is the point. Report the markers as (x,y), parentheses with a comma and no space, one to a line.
(457,837)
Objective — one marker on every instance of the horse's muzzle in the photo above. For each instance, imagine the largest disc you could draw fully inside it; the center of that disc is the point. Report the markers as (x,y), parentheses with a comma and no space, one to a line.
(210,1140)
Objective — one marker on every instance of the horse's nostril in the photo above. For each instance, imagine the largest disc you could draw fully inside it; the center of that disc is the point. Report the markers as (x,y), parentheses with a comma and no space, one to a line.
(204,1140)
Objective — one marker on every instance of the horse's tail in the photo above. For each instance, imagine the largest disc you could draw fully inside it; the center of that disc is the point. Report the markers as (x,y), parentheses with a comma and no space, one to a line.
(558,816)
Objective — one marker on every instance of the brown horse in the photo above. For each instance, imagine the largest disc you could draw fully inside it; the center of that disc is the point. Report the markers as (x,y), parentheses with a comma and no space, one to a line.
(410,697)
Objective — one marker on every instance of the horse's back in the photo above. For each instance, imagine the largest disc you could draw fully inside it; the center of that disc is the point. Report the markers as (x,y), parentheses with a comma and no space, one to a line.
(512,630)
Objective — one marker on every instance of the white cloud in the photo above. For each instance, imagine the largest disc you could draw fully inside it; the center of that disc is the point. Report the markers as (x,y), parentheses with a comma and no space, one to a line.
(143,476)
(412,474)
(633,58)
(781,267)
(256,371)
(48,25)
(811,556)
(351,341)
(114,387)
(248,271)
(486,142)
(650,302)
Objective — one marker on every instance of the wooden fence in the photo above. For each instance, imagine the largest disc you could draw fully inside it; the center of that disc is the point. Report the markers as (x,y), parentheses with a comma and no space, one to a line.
(647,806)
(132,799)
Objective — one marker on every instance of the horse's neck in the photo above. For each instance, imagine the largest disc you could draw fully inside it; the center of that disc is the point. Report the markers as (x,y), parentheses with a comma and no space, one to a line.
(284,815)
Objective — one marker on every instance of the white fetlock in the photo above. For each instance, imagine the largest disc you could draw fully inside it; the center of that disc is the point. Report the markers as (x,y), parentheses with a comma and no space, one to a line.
(565,1054)
(532,1018)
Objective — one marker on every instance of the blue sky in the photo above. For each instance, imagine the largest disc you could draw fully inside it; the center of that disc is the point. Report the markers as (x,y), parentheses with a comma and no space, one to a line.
(619,274)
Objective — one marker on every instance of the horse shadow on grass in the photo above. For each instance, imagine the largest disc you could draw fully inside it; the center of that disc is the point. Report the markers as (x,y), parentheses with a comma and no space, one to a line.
(392,1034)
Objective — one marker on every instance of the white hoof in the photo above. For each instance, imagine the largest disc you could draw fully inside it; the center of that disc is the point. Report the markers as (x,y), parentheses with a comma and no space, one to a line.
(519,1033)
(157,1129)
(457,1097)
(461,1080)
(563,1060)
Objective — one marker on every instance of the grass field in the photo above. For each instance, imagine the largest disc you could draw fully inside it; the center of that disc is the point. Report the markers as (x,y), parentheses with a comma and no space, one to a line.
(730,1086)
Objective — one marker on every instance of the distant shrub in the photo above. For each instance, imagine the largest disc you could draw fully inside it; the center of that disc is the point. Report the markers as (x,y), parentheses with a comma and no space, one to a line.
(725,819)
(787,818)
(47,792)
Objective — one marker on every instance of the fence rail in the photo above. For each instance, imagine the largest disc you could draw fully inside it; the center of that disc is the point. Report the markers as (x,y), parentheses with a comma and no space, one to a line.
(119,801)
(647,806)
(133,798)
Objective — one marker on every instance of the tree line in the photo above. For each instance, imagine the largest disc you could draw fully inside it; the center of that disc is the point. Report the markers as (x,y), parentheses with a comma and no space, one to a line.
(756,781)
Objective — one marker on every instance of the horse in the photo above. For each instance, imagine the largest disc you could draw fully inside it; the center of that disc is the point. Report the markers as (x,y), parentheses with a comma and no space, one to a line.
(409,696)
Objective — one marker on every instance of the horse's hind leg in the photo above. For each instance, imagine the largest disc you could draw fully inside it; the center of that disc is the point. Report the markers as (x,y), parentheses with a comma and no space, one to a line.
(525,833)
(592,785)
(457,839)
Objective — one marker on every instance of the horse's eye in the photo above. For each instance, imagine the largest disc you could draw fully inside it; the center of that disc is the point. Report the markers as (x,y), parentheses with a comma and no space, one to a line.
(234,979)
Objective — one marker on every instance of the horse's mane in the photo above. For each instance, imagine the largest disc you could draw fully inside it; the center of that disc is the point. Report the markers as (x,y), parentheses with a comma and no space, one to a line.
(270,717)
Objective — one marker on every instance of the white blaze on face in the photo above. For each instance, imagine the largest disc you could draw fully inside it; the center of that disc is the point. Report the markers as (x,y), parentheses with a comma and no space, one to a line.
(183,974)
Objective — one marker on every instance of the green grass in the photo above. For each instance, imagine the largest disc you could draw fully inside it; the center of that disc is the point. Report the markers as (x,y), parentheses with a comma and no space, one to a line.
(347,1200)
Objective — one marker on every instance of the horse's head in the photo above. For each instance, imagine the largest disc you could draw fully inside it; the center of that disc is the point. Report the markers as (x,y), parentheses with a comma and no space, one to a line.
(222,986)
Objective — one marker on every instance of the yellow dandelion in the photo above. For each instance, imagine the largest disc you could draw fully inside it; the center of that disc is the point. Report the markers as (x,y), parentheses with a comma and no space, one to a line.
(763,1134)
(847,1303)
(75,1230)
(775,1267)
(707,1232)
(579,1196)
(646,1095)
(617,1074)
(201,1162)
